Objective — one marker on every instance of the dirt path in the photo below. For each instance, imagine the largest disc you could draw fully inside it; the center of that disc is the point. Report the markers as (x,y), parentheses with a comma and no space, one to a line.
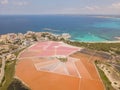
(2,70)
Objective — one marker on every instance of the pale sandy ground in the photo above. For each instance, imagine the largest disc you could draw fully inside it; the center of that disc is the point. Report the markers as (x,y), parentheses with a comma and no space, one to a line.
(112,75)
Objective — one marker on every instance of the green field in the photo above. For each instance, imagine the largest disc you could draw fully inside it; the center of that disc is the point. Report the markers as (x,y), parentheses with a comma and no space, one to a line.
(9,74)
(105,80)
(107,47)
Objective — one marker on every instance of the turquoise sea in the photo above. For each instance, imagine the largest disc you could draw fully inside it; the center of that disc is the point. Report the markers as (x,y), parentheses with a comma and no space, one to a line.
(81,27)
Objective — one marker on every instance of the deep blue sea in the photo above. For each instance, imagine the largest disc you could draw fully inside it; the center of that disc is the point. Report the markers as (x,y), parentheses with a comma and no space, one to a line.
(81,27)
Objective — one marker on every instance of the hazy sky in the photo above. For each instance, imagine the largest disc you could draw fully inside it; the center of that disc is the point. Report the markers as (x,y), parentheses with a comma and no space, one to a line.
(59,7)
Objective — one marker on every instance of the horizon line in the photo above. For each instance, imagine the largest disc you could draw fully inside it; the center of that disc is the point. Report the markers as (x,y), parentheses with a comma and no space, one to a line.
(58,14)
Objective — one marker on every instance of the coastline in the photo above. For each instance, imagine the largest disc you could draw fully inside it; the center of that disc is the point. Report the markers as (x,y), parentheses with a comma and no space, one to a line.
(116,41)
(105,42)
(66,36)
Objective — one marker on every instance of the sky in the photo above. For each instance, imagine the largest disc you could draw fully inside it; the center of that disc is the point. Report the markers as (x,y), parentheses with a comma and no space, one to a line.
(36,7)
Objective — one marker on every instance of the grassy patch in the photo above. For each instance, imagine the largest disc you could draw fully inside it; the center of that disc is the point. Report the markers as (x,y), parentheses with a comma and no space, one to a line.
(17,52)
(17,85)
(105,80)
(107,47)
(62,59)
(9,73)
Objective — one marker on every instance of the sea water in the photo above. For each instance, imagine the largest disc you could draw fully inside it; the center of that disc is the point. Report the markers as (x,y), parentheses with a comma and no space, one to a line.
(81,27)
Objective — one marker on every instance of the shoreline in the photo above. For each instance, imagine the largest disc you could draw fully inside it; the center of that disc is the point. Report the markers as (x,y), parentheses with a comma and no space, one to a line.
(116,41)
(64,35)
